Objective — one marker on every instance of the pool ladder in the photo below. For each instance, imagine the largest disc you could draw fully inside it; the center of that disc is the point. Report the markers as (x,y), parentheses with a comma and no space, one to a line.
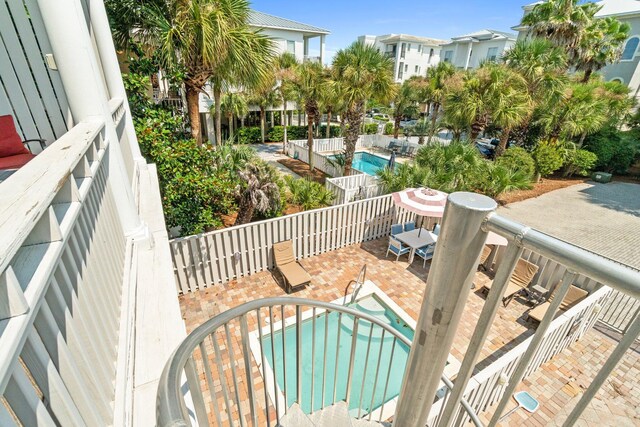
(359,281)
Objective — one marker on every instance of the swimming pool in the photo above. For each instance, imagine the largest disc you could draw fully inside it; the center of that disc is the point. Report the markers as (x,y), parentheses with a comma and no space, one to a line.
(341,326)
(367,162)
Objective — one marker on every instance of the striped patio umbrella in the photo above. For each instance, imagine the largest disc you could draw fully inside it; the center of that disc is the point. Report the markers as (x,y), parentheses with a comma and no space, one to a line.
(421,201)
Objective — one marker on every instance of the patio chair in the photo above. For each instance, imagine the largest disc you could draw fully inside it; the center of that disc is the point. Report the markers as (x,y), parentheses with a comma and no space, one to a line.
(436,229)
(484,256)
(574,295)
(521,278)
(426,253)
(396,248)
(396,229)
(14,152)
(293,274)
(409,226)
(403,150)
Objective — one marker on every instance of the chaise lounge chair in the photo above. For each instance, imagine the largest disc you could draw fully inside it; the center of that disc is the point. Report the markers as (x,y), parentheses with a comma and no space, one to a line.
(520,279)
(293,274)
(574,295)
(14,152)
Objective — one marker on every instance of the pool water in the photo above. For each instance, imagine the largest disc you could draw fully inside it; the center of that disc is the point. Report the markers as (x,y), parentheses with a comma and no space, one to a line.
(380,349)
(368,163)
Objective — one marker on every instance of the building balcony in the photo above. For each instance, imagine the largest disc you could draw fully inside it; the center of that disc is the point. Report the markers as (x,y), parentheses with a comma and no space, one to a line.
(308,58)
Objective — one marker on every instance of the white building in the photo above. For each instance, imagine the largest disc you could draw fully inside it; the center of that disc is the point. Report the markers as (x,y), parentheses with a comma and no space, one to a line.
(627,69)
(471,50)
(288,36)
(412,55)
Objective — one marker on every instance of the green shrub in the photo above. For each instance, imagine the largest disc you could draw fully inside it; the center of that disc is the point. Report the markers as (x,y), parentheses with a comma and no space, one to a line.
(276,134)
(501,179)
(547,158)
(249,135)
(517,159)
(579,162)
(296,132)
(308,194)
(194,191)
(379,117)
(388,128)
(370,128)
(615,150)
(334,131)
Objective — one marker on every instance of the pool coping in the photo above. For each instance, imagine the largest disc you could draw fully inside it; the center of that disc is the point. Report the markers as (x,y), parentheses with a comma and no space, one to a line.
(368,288)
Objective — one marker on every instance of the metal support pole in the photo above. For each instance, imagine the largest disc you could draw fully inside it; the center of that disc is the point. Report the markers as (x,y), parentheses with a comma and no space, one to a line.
(627,340)
(489,311)
(523,364)
(448,285)
(81,76)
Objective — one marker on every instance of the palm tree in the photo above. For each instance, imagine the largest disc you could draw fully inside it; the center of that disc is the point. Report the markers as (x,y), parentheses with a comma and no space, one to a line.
(563,22)
(263,95)
(404,104)
(258,191)
(466,101)
(284,73)
(234,105)
(363,74)
(330,100)
(308,83)
(432,90)
(202,39)
(421,129)
(600,45)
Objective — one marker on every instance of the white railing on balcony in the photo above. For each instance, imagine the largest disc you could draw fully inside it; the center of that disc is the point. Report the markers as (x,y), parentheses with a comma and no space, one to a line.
(238,376)
(61,263)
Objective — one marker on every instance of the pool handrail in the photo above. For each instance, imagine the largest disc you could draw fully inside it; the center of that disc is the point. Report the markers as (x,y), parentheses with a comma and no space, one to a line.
(172,409)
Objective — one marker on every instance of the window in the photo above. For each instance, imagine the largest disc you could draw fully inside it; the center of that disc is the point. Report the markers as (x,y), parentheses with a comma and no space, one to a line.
(403,49)
(431,52)
(630,49)
(417,69)
(409,46)
(419,48)
(406,68)
(291,46)
(492,54)
(448,56)
(400,70)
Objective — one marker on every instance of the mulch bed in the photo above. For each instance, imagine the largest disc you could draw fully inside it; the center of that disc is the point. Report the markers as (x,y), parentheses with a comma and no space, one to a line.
(302,169)
(545,185)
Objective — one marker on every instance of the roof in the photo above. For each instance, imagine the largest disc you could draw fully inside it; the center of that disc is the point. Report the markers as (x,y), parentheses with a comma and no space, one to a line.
(483,35)
(390,38)
(264,20)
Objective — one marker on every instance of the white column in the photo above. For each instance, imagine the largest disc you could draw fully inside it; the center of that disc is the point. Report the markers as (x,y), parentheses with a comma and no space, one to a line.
(305,45)
(111,69)
(466,63)
(396,67)
(322,48)
(81,76)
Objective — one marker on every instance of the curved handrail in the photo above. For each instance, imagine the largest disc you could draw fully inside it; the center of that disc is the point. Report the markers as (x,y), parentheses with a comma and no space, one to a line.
(170,410)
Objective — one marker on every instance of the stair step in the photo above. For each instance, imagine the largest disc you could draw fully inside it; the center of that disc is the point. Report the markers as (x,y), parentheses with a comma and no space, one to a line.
(336,415)
(365,423)
(295,418)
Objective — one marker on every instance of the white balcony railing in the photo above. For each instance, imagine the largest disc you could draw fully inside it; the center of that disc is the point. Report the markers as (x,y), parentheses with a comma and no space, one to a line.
(61,260)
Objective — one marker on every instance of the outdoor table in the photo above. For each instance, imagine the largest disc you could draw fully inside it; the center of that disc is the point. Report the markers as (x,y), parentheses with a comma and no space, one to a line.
(415,239)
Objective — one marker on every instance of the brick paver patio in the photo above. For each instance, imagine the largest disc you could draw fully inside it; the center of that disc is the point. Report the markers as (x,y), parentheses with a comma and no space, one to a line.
(405,285)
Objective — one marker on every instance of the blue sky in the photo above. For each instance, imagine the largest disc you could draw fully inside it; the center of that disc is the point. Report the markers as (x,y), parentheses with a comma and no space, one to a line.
(347,19)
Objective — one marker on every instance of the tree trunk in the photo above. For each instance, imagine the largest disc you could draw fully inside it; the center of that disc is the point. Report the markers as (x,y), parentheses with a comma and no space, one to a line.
(271,120)
(476,127)
(217,96)
(284,124)
(231,126)
(582,138)
(299,117)
(242,121)
(434,117)
(343,125)
(328,131)
(193,106)
(317,122)
(587,76)
(263,117)
(310,120)
(396,126)
(353,117)
(245,210)
(421,139)
(504,140)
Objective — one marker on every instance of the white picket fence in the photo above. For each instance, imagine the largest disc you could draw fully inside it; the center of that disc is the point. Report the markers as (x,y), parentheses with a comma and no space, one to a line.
(354,187)
(217,257)
(320,161)
(487,386)
(619,311)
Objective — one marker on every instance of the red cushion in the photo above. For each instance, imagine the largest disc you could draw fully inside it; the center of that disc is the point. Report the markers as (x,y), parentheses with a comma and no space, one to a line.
(10,141)
(15,162)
